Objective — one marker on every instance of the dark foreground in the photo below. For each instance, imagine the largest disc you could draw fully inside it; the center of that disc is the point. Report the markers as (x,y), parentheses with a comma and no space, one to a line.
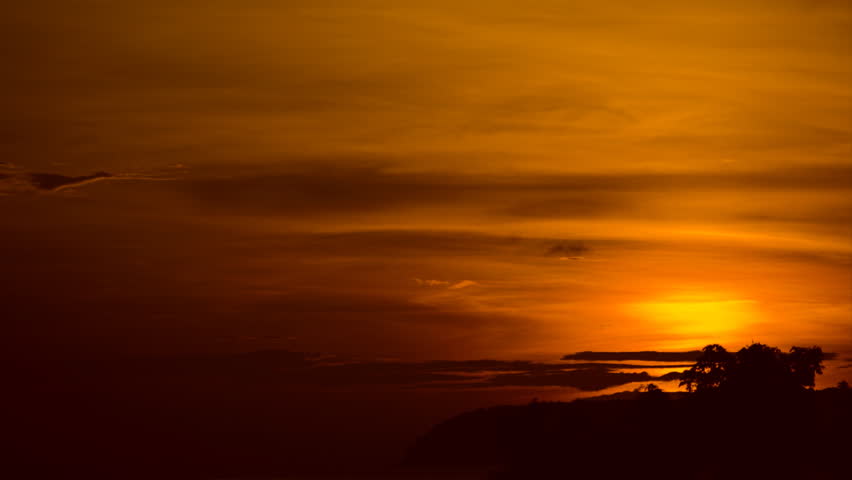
(654,436)
(201,420)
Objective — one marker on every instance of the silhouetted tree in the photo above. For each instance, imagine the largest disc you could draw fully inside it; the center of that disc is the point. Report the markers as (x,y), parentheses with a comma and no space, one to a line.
(649,388)
(806,363)
(757,368)
(760,368)
(709,371)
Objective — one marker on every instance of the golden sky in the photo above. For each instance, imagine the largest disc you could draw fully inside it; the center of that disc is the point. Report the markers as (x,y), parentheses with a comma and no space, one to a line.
(427,179)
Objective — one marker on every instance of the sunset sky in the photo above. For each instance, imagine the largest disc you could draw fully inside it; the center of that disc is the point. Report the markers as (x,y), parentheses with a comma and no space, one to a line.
(426,179)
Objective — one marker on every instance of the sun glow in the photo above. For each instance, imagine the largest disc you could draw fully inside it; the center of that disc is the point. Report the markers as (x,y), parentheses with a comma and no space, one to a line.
(712,317)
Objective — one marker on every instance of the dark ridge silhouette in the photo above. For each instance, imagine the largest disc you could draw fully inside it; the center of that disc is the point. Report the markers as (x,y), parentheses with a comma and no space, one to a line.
(756,417)
(279,413)
(267,413)
(650,435)
(649,356)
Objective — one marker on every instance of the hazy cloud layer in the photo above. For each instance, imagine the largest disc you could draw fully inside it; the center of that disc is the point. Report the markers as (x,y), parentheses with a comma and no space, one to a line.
(322,155)
(380,195)
(198,281)
(698,85)
(283,369)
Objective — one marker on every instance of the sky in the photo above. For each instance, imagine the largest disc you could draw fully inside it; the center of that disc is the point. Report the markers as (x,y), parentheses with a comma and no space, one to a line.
(426,180)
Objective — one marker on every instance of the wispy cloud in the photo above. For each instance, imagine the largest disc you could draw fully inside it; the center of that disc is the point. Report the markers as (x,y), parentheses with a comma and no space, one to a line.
(446,284)
(463,284)
(431,283)
(54,182)
(15,181)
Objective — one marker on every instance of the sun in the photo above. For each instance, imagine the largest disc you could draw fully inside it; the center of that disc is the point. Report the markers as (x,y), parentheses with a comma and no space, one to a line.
(713,317)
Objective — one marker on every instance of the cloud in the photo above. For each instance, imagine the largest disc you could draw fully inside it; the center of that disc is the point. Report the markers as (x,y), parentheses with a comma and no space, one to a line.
(567,251)
(443,283)
(331,371)
(54,182)
(473,374)
(463,284)
(15,181)
(648,356)
(651,356)
(307,370)
(590,379)
(336,192)
(431,283)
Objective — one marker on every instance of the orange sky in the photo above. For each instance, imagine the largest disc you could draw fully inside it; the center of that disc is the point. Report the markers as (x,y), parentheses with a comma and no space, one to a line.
(428,179)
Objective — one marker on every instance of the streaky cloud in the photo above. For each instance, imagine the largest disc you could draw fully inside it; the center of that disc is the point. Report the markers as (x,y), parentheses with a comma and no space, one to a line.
(55,182)
(649,356)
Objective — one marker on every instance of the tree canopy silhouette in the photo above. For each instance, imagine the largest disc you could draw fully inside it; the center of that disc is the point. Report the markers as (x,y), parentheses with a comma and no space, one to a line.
(756,368)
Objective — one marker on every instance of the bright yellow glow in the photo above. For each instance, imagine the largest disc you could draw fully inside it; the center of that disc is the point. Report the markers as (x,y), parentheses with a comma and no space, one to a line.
(699,317)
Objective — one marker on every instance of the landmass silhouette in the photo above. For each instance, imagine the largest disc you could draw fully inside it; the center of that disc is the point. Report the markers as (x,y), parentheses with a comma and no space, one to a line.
(752,414)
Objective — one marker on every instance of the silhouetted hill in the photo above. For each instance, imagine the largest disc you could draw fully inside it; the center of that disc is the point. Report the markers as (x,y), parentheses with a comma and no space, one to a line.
(651,435)
(266,414)
(271,414)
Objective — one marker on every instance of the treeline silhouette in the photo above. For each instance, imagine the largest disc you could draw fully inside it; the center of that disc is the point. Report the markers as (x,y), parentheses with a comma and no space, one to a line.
(757,369)
(752,414)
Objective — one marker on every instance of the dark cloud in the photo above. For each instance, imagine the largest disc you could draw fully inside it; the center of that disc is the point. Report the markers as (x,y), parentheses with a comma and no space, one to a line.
(322,191)
(300,370)
(591,379)
(20,182)
(568,204)
(455,374)
(336,193)
(405,243)
(651,356)
(567,250)
(54,182)
(334,190)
